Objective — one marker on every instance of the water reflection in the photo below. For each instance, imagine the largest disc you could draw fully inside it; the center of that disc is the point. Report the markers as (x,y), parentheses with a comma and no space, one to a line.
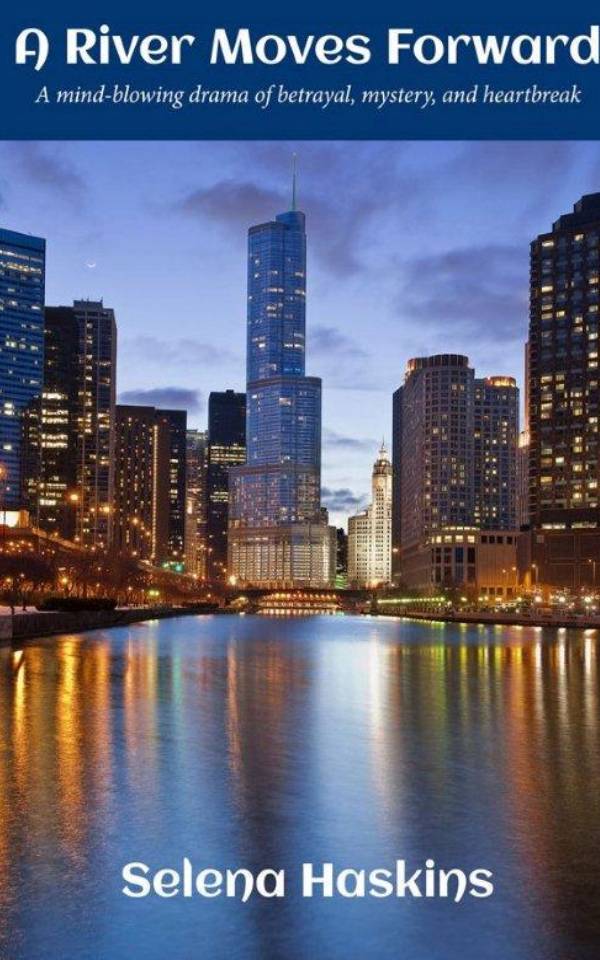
(252,742)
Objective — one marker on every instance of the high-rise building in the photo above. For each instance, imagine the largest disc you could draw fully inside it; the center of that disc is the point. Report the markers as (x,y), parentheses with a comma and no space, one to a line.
(226,449)
(277,534)
(341,557)
(455,452)
(195,503)
(396,483)
(142,453)
(150,484)
(523,456)
(96,416)
(50,437)
(370,532)
(22,286)
(523,480)
(496,432)
(437,454)
(176,425)
(564,401)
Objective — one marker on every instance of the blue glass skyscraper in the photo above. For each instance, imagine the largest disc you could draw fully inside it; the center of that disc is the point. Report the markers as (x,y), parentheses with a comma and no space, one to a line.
(22,279)
(277,532)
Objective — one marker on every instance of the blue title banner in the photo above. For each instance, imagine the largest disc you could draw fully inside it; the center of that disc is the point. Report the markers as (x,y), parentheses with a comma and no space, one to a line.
(279,72)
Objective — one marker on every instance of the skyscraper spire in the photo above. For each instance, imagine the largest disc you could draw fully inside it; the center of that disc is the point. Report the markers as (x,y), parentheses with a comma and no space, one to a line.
(294,159)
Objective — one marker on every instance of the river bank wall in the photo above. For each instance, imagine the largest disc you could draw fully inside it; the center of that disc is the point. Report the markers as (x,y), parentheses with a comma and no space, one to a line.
(29,626)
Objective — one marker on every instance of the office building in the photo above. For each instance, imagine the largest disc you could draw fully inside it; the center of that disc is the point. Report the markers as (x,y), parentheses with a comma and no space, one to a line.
(22,291)
(523,455)
(370,532)
(142,449)
(496,433)
(437,452)
(176,428)
(96,421)
(456,453)
(277,533)
(341,558)
(226,449)
(50,430)
(150,484)
(195,503)
(563,546)
(396,483)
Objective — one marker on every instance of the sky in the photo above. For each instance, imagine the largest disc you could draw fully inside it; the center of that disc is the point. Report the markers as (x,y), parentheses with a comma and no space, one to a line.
(413,249)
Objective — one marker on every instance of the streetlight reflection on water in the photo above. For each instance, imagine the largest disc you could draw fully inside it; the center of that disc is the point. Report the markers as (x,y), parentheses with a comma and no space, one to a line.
(246,741)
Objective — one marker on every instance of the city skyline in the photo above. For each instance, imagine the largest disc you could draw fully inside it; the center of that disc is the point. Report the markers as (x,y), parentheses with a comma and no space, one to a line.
(433,234)
(384,257)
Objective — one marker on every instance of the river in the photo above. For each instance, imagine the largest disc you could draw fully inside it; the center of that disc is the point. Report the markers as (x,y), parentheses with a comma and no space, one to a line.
(258,742)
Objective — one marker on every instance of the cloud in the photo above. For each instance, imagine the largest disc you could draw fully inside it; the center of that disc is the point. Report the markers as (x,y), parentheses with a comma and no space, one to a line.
(329,174)
(47,169)
(341,500)
(233,203)
(169,398)
(479,290)
(340,360)
(341,442)
(329,340)
(184,350)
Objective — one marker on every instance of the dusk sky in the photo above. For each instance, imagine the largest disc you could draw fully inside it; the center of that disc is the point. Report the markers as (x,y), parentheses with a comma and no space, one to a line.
(414,248)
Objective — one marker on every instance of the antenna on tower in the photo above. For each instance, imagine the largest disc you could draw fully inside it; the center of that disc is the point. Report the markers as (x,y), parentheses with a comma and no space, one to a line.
(294,177)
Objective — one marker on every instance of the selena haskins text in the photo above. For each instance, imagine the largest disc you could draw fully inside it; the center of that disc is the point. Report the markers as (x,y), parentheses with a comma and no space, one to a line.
(316,880)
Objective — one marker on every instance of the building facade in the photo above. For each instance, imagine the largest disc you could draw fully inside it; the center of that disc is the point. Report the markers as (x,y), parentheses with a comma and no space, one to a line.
(22,293)
(277,534)
(455,471)
(195,503)
(396,483)
(482,565)
(142,449)
(175,425)
(149,507)
(50,430)
(437,449)
(226,449)
(564,401)
(523,456)
(370,532)
(96,421)
(496,435)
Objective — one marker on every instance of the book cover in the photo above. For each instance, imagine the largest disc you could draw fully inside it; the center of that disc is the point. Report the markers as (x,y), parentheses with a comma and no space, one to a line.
(299,482)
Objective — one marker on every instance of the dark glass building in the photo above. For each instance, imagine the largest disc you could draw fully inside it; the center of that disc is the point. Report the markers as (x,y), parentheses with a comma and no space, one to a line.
(564,401)
(50,476)
(195,503)
(176,423)
(96,426)
(22,280)
(226,449)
